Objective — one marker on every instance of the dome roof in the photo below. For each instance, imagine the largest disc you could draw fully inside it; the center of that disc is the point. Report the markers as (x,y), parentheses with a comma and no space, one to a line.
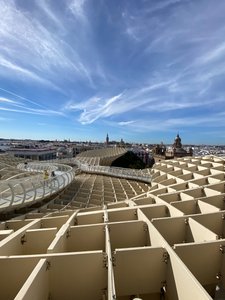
(177,138)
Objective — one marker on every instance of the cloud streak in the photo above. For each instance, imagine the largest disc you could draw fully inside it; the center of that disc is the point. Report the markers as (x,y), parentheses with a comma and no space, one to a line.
(77,8)
(19,107)
(35,51)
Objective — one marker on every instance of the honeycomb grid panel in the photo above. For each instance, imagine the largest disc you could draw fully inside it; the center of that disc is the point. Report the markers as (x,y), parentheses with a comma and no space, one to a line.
(112,238)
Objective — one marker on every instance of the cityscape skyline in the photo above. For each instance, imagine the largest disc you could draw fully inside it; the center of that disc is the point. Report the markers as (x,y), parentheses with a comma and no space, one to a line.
(141,71)
(111,143)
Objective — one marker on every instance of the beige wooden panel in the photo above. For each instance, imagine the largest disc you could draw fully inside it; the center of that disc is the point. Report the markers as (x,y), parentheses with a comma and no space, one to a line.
(35,215)
(201,181)
(171,286)
(89,218)
(206,207)
(168,181)
(129,234)
(3,226)
(61,213)
(162,191)
(139,271)
(12,245)
(204,172)
(187,207)
(212,221)
(195,193)
(37,241)
(172,211)
(187,286)
(217,169)
(216,200)
(79,276)
(54,221)
(211,192)
(222,279)
(36,286)
(59,242)
(203,260)
(56,206)
(220,176)
(117,205)
(144,201)
(156,211)
(14,273)
(86,238)
(123,214)
(198,232)
(185,197)
(171,197)
(180,186)
(160,178)
(173,230)
(185,177)
(16,224)
(5,233)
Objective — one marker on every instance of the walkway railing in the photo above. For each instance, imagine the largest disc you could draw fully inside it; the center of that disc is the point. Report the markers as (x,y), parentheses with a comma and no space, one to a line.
(114,171)
(110,171)
(17,193)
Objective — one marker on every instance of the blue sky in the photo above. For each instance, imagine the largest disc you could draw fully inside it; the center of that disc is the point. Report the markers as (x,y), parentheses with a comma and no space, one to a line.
(141,70)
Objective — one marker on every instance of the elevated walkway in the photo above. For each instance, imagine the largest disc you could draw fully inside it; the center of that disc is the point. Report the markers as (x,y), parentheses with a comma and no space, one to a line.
(17,193)
(26,184)
(115,172)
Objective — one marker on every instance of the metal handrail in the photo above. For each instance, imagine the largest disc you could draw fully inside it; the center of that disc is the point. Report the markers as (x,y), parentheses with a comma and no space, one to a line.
(17,193)
(114,171)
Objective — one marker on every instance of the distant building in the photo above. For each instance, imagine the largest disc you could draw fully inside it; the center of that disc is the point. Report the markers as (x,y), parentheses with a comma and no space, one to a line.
(159,149)
(177,150)
(107,140)
(34,153)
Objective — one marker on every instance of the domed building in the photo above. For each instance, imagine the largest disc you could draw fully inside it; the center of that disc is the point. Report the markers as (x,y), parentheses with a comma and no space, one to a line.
(177,142)
(178,150)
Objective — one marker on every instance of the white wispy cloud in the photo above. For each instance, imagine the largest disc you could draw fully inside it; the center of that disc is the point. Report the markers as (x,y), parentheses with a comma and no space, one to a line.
(20,107)
(96,110)
(43,4)
(101,107)
(8,67)
(31,111)
(171,105)
(77,8)
(33,50)
(149,98)
(24,99)
(162,5)
(124,123)
(212,121)
(214,54)
(172,124)
(6,100)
